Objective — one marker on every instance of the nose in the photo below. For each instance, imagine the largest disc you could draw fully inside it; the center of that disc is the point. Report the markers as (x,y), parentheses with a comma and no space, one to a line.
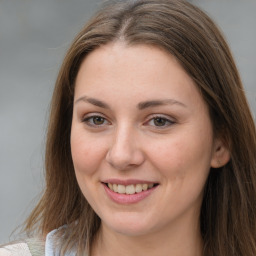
(124,152)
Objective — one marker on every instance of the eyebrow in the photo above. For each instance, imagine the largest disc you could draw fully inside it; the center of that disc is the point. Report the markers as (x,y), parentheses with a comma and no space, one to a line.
(156,103)
(140,106)
(93,101)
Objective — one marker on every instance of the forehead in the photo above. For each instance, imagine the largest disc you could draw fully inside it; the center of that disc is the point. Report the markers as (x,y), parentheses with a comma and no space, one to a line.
(140,71)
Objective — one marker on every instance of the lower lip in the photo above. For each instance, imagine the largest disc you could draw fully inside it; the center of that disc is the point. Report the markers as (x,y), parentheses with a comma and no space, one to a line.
(127,199)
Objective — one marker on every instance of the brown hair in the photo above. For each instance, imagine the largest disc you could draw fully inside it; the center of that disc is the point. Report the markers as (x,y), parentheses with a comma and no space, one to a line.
(228,214)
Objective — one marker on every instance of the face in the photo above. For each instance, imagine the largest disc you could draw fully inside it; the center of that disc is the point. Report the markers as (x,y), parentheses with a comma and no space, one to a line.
(141,139)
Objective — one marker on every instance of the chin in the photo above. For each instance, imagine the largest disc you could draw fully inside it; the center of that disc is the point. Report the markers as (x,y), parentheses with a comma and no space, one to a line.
(132,231)
(129,225)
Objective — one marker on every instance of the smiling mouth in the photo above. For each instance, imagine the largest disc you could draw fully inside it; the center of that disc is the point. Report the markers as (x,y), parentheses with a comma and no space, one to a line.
(130,189)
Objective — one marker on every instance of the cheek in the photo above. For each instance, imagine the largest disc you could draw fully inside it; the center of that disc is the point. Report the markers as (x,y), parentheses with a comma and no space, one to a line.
(87,152)
(180,155)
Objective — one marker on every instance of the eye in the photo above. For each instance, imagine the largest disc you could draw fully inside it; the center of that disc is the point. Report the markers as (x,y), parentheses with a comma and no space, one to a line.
(95,120)
(161,122)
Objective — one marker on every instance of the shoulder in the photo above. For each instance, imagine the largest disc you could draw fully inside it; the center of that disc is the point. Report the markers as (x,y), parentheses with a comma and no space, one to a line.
(30,247)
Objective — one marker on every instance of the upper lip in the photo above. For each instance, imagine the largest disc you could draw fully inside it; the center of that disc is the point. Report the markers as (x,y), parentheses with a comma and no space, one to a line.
(128,182)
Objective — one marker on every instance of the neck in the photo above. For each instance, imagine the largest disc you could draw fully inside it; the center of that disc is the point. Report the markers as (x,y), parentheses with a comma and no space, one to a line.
(176,241)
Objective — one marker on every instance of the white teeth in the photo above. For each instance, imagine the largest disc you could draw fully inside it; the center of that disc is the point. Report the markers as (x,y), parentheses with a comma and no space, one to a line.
(129,189)
(121,189)
(144,187)
(138,188)
(115,188)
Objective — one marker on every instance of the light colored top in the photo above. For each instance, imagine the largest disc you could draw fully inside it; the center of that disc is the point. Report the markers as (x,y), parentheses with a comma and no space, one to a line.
(33,247)
(19,249)
(50,249)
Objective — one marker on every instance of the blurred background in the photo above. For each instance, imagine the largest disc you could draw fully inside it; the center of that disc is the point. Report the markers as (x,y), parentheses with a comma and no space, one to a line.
(34,36)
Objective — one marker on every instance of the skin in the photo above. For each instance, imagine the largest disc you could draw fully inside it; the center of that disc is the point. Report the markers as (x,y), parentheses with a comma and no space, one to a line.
(128,142)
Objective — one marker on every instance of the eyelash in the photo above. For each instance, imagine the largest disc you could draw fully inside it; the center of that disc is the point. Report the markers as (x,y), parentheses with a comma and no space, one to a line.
(90,121)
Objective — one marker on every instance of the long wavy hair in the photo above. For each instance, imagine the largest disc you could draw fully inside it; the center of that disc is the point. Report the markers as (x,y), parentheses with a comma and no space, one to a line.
(228,212)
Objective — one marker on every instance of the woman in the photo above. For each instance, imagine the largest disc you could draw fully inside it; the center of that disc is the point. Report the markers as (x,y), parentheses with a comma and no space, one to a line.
(151,144)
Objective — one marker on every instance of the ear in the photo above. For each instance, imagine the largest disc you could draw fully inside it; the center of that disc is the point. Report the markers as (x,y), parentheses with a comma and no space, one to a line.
(220,155)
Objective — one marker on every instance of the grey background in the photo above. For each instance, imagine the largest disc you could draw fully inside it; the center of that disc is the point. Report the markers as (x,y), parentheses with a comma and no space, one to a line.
(34,35)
